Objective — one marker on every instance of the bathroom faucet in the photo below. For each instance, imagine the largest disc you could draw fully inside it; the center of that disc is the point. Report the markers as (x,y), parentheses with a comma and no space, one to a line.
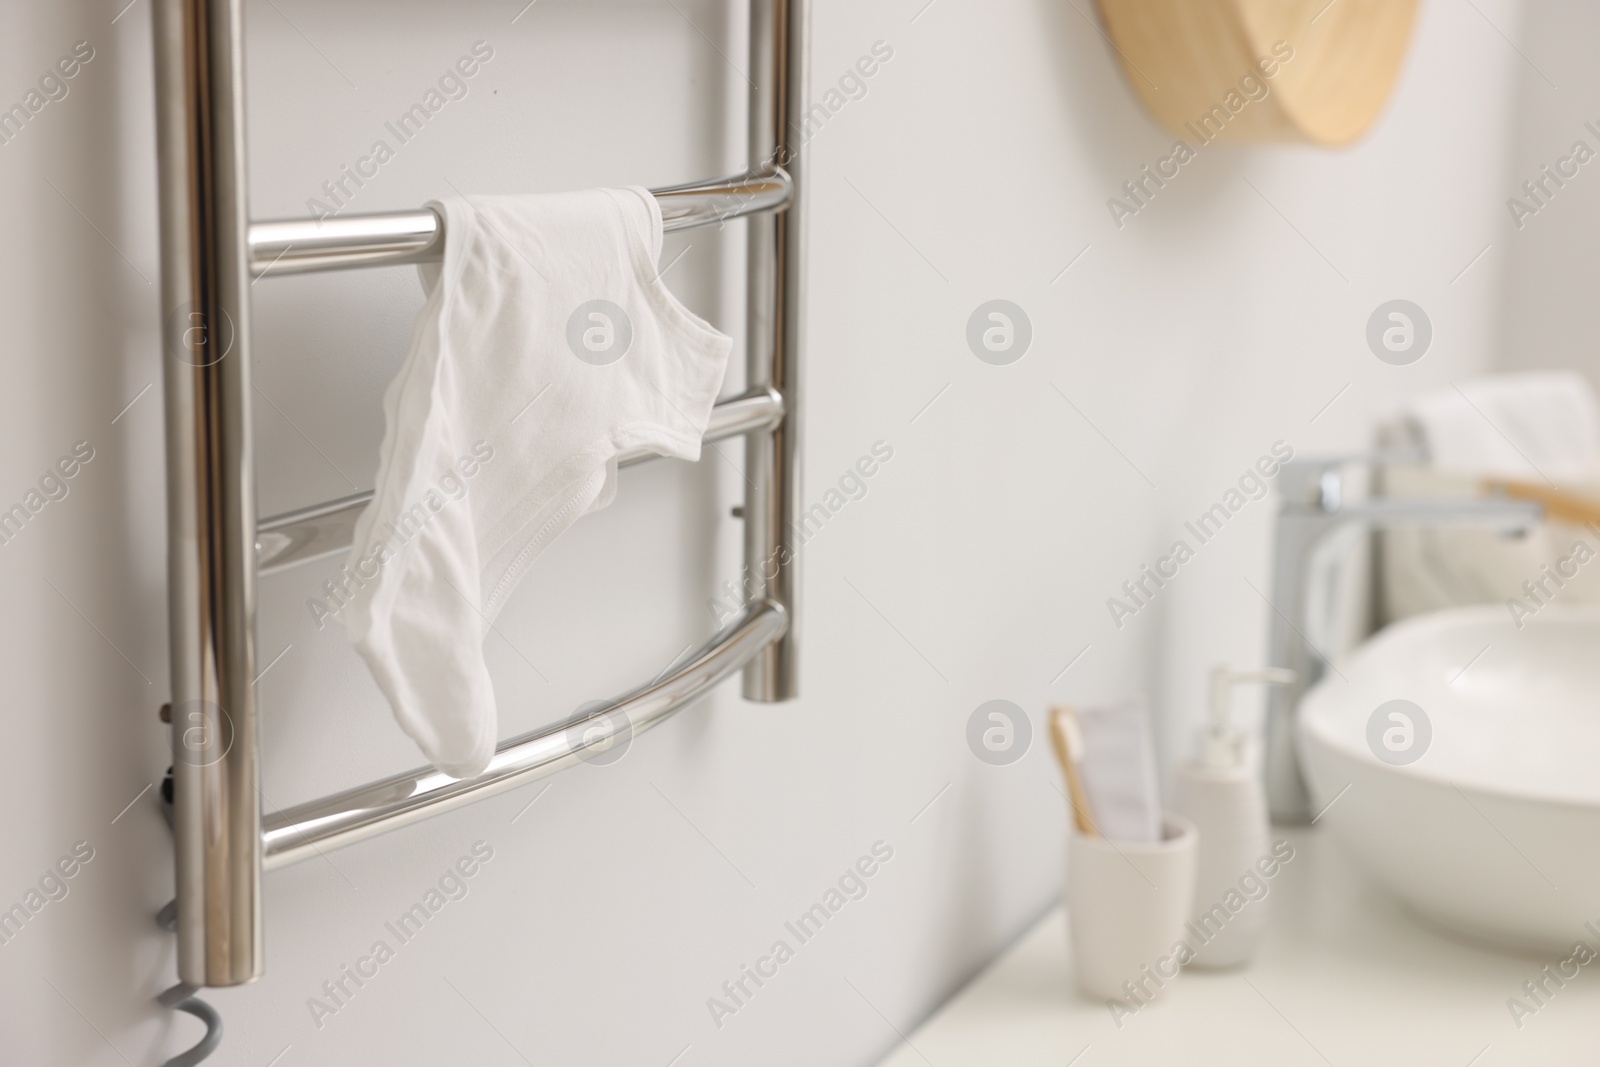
(1312,509)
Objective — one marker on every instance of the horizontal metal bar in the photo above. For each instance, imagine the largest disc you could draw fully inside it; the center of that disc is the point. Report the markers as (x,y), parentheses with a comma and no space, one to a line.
(310,533)
(299,246)
(310,829)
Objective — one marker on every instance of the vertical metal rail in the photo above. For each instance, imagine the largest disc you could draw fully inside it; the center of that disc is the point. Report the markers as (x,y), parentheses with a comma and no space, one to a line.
(779,32)
(211,520)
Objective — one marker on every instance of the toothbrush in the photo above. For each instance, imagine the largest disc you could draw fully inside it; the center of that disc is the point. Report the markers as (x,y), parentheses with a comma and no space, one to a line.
(1561,505)
(1068,744)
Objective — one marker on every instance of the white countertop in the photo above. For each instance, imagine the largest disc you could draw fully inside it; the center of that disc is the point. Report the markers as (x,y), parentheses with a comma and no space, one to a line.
(1345,976)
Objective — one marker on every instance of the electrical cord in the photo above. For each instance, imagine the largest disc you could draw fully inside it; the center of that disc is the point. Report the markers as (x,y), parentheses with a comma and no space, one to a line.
(181,997)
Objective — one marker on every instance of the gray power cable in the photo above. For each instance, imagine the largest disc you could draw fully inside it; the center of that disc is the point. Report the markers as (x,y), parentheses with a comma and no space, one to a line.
(181,997)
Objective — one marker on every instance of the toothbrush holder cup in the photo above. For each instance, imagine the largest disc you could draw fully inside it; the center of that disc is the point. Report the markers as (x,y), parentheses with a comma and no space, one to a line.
(1127,902)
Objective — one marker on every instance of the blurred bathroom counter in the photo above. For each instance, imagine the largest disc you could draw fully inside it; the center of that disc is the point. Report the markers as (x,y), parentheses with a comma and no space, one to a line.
(1345,976)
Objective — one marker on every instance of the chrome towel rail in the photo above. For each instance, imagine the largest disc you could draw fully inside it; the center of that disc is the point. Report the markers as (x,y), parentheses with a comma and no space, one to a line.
(311,829)
(210,252)
(305,534)
(296,246)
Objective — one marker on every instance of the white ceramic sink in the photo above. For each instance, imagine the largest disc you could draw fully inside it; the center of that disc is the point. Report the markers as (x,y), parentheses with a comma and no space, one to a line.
(1494,831)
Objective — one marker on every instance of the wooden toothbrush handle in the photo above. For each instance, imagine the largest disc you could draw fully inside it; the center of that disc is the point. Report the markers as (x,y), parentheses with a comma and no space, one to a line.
(1561,505)
(1071,770)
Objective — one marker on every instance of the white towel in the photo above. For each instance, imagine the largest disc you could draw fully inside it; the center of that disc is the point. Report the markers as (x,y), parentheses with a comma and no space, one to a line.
(1531,426)
(548,345)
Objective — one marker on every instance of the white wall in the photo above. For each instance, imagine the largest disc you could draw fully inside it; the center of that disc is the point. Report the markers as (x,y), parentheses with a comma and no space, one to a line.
(1171,354)
(1548,257)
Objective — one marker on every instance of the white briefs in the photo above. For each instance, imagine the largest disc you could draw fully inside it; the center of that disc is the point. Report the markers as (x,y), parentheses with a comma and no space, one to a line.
(547,346)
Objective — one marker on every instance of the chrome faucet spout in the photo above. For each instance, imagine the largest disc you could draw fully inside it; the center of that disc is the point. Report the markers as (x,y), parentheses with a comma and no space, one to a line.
(1312,508)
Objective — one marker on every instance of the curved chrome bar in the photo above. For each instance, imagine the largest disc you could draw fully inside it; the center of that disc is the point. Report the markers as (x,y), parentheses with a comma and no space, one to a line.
(307,829)
(299,246)
(756,191)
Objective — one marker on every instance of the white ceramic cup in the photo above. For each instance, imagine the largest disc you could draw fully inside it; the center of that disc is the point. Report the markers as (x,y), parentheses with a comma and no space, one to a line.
(1127,902)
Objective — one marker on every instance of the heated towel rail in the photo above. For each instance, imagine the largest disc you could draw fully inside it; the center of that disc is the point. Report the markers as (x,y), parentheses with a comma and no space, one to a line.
(210,253)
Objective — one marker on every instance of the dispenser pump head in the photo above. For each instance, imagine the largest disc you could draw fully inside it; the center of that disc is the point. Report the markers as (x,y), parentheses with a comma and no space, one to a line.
(1221,746)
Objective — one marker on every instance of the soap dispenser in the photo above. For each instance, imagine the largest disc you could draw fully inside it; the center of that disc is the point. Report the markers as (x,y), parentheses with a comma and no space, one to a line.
(1221,792)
